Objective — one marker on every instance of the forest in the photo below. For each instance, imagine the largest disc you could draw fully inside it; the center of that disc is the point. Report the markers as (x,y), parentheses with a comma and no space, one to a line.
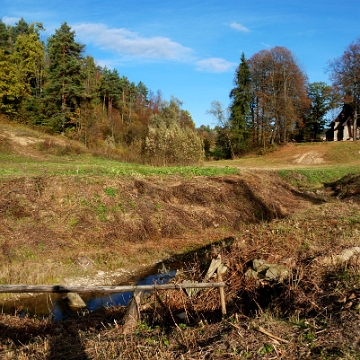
(53,87)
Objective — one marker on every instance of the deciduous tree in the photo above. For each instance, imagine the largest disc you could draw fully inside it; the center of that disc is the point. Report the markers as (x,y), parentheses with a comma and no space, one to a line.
(223,144)
(280,95)
(345,76)
(169,143)
(10,88)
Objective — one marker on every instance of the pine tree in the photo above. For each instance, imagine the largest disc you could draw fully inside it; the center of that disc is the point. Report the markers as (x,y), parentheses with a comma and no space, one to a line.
(111,90)
(29,60)
(240,97)
(320,95)
(20,28)
(65,85)
(4,38)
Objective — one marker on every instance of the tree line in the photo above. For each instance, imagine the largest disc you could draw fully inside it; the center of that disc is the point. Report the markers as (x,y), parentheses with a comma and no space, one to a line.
(272,101)
(56,88)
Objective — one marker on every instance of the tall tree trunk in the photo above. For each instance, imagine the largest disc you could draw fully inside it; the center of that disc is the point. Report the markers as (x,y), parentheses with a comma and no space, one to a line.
(355,125)
(110,116)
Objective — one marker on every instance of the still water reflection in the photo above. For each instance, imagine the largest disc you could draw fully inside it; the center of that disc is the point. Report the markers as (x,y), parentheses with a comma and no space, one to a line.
(53,305)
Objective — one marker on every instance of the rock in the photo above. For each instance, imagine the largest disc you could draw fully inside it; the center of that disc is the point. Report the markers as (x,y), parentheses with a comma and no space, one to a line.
(257,264)
(84,262)
(252,273)
(276,272)
(182,316)
(75,301)
(345,255)
(190,291)
(270,272)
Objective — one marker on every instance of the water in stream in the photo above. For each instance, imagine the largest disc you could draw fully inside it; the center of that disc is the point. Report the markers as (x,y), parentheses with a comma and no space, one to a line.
(53,305)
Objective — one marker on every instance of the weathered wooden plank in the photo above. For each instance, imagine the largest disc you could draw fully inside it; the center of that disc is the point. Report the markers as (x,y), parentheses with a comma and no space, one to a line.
(132,315)
(118,289)
(222,295)
(215,263)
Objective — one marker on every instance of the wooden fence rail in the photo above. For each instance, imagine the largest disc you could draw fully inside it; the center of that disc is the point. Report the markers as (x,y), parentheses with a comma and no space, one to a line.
(118,289)
(133,312)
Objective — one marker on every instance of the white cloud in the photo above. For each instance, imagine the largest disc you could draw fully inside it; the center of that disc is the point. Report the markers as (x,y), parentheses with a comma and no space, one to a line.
(239,27)
(10,20)
(266,45)
(128,43)
(217,65)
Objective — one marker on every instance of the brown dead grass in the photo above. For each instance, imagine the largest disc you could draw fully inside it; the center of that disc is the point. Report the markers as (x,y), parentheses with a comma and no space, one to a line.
(315,310)
(125,221)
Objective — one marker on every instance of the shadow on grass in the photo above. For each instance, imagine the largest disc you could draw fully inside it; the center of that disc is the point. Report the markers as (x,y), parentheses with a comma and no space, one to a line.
(44,339)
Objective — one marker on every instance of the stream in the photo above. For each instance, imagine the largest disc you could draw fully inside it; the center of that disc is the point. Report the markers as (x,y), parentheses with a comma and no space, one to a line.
(54,306)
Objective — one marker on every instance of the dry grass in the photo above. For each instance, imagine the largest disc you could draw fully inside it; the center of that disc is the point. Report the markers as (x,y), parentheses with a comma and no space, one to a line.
(126,221)
(300,156)
(315,310)
(123,221)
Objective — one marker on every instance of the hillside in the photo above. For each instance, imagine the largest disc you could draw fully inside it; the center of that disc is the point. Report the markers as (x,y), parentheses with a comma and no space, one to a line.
(67,217)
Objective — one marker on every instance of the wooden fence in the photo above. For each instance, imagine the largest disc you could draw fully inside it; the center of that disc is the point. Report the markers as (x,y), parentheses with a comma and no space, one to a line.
(133,308)
(118,289)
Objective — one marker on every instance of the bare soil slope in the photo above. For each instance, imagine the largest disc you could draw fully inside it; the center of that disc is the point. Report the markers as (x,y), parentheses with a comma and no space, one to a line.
(56,218)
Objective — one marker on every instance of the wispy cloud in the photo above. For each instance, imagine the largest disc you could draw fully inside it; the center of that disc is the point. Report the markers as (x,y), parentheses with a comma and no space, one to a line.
(308,33)
(266,45)
(128,43)
(217,65)
(239,27)
(10,20)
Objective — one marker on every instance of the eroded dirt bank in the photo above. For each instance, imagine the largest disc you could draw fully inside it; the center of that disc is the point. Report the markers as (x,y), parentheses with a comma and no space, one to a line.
(110,223)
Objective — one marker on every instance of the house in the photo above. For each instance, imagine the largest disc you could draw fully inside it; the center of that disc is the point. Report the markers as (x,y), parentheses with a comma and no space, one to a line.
(341,128)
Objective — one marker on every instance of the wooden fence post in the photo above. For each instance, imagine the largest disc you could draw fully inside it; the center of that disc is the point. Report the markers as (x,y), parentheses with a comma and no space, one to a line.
(222,294)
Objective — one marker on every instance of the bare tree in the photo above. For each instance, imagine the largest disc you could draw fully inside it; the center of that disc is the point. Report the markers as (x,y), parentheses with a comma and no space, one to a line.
(345,77)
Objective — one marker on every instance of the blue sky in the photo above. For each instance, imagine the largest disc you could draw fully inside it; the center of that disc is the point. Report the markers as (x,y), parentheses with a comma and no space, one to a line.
(189,49)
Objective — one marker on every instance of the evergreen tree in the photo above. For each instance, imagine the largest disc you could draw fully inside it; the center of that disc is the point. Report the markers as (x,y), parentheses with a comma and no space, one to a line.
(92,75)
(4,37)
(20,28)
(241,98)
(142,95)
(111,89)
(65,85)
(132,92)
(320,95)
(88,102)
(29,60)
